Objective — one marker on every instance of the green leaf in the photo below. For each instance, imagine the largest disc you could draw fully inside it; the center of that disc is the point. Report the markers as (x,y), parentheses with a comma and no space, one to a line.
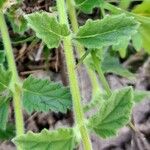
(88,5)
(61,139)
(4,111)
(114,113)
(140,95)
(16,17)
(111,64)
(5,79)
(108,31)
(2,57)
(143,9)
(43,95)
(5,4)
(7,134)
(47,28)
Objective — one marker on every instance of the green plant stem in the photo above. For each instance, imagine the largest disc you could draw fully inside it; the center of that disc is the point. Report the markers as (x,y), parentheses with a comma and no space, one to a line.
(100,73)
(80,48)
(15,78)
(68,50)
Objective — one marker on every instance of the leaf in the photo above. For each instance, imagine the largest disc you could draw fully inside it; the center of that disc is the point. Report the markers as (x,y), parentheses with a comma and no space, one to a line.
(61,139)
(4,110)
(5,79)
(47,28)
(140,95)
(5,4)
(87,5)
(108,31)
(137,41)
(16,17)
(8,133)
(114,113)
(43,95)
(111,64)
(143,9)
(2,57)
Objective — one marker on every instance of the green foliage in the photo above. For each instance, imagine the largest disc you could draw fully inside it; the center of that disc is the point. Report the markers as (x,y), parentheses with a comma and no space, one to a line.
(47,28)
(5,4)
(114,113)
(61,139)
(43,95)
(16,17)
(7,134)
(111,64)
(87,5)
(2,57)
(106,32)
(5,78)
(4,109)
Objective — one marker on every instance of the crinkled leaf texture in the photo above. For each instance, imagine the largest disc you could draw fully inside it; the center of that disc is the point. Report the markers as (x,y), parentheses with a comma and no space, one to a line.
(43,95)
(114,113)
(88,5)
(108,31)
(47,28)
(61,139)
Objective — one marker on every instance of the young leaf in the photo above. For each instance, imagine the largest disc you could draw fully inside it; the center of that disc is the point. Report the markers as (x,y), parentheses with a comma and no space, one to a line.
(4,109)
(5,78)
(43,95)
(7,134)
(111,64)
(2,57)
(114,113)
(5,4)
(61,139)
(87,5)
(47,28)
(140,95)
(108,31)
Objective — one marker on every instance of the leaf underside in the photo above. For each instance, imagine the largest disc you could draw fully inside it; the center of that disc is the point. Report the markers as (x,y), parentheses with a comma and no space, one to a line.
(61,139)
(114,113)
(108,31)
(43,95)
(47,28)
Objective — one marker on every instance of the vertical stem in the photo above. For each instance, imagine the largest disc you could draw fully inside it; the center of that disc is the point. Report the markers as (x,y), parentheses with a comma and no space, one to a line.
(68,49)
(80,48)
(100,73)
(15,78)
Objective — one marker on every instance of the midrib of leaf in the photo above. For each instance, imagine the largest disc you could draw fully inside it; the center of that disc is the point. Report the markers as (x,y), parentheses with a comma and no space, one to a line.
(113,109)
(7,87)
(39,94)
(103,33)
(81,3)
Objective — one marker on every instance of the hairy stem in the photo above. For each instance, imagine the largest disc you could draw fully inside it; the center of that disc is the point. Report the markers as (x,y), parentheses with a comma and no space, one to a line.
(101,74)
(80,48)
(15,78)
(68,49)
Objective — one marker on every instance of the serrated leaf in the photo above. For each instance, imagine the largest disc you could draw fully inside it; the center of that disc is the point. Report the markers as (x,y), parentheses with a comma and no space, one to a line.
(43,95)
(47,28)
(5,79)
(7,134)
(61,139)
(4,109)
(5,4)
(111,64)
(108,31)
(114,113)
(88,5)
